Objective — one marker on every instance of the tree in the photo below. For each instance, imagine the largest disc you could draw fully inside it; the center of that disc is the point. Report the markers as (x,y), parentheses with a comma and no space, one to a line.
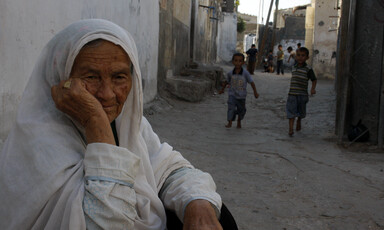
(240,25)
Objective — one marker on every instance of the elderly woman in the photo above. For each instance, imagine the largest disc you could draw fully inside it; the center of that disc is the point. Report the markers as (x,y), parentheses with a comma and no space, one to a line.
(81,154)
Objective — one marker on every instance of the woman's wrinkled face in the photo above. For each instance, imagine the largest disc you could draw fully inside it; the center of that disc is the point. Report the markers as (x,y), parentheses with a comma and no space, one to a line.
(105,69)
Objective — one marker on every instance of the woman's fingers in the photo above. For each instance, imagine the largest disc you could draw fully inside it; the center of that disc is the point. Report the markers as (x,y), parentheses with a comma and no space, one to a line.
(72,98)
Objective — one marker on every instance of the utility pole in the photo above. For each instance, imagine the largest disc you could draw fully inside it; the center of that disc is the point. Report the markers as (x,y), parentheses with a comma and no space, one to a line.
(274,25)
(265,34)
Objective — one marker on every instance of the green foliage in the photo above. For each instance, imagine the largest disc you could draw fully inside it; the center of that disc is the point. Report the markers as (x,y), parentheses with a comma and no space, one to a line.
(240,25)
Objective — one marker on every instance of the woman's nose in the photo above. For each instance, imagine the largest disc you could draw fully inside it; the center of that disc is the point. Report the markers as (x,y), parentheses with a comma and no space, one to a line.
(105,91)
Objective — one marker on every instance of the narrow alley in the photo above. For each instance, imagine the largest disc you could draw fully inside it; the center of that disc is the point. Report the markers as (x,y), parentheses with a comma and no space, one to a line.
(270,180)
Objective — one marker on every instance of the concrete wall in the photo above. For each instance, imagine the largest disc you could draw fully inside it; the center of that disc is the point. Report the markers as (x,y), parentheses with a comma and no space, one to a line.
(205,32)
(292,33)
(174,37)
(325,39)
(287,43)
(283,14)
(309,31)
(367,80)
(227,37)
(26,26)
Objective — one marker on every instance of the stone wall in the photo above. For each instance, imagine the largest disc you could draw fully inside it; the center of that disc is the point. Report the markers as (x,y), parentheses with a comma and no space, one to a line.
(205,31)
(174,37)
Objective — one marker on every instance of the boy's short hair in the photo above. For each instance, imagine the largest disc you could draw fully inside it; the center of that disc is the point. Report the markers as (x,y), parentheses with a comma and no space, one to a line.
(303,50)
(238,55)
(253,45)
(280,46)
(299,44)
(289,48)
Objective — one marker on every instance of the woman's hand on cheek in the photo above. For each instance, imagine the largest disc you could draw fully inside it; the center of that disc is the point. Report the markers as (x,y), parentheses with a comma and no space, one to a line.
(77,102)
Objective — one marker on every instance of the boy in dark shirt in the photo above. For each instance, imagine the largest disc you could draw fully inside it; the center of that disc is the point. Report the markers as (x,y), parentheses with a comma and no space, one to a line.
(252,52)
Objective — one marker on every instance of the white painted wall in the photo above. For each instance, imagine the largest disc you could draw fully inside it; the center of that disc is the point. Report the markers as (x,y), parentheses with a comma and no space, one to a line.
(26,26)
(249,40)
(325,39)
(227,37)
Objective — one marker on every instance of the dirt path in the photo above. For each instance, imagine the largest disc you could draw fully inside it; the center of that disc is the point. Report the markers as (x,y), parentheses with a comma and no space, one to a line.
(268,179)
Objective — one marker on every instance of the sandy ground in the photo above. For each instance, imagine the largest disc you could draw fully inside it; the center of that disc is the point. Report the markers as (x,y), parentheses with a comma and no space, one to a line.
(270,180)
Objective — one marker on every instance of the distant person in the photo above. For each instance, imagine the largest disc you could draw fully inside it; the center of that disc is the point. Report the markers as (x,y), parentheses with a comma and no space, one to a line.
(265,65)
(298,46)
(280,59)
(292,54)
(270,62)
(298,91)
(252,52)
(237,80)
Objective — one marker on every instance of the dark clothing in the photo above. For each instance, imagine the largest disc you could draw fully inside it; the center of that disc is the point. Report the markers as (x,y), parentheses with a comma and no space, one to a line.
(270,62)
(265,65)
(236,107)
(251,67)
(252,52)
(226,220)
(280,67)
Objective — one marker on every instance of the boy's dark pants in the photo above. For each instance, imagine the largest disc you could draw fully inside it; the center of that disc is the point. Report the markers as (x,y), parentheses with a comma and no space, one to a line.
(280,67)
(236,107)
(296,106)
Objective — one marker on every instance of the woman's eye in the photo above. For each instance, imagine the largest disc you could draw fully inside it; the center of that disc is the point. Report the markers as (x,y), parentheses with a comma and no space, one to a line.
(92,78)
(120,77)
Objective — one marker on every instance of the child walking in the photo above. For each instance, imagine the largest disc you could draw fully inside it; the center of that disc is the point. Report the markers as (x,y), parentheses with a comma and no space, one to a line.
(298,91)
(237,79)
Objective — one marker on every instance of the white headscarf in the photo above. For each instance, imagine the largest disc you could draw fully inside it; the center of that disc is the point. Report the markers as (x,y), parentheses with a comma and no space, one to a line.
(41,165)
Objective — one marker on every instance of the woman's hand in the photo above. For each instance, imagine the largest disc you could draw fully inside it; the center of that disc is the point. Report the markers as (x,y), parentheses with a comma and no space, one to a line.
(71,97)
(200,215)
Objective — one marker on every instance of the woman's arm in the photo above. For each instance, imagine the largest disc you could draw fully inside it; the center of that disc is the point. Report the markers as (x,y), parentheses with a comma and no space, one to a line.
(179,184)
(186,191)
(109,199)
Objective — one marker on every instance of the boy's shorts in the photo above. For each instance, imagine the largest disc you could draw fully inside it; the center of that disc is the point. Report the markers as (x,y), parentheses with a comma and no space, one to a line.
(296,106)
(236,107)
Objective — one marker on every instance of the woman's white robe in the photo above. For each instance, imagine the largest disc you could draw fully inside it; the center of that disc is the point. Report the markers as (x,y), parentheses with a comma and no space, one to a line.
(51,179)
